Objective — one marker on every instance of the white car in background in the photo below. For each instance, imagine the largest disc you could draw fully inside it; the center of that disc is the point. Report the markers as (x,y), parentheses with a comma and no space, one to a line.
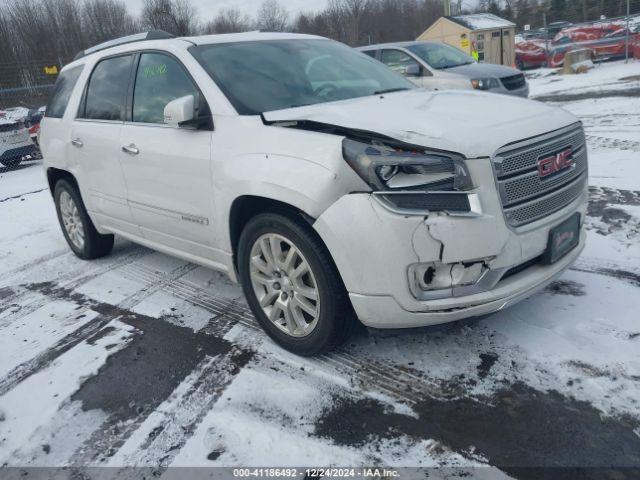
(15,142)
(331,187)
(437,66)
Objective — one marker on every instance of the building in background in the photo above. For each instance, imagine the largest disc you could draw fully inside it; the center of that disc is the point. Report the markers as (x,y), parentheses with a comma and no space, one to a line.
(490,37)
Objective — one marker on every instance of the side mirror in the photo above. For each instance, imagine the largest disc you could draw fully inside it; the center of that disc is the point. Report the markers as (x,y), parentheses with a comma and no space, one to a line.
(180,111)
(411,70)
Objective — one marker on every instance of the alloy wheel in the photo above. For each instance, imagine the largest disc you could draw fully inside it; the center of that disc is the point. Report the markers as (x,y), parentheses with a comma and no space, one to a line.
(285,285)
(71,220)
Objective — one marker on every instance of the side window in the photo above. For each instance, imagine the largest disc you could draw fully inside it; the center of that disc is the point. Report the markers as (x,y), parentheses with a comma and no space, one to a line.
(396,60)
(107,90)
(159,80)
(62,92)
(371,53)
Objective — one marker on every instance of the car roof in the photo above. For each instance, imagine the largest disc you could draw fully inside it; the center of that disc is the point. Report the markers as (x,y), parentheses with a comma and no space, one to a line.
(134,43)
(397,44)
(248,37)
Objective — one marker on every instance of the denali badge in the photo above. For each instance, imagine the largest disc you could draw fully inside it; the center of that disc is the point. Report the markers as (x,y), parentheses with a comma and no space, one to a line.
(555,163)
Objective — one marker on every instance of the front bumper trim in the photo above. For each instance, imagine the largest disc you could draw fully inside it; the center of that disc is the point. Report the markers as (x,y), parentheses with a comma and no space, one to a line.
(384,311)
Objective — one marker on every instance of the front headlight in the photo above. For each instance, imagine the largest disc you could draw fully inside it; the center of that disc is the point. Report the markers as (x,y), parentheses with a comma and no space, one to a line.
(411,179)
(485,83)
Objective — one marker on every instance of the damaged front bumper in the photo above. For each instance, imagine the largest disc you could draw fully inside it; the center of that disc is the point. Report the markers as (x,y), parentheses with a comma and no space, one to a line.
(405,270)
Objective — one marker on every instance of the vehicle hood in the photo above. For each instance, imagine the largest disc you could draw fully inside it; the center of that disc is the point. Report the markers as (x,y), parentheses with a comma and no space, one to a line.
(474,124)
(478,70)
(449,74)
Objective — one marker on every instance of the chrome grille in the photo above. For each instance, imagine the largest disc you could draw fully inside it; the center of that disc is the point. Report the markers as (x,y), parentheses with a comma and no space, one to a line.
(525,196)
(546,205)
(528,185)
(526,157)
(513,82)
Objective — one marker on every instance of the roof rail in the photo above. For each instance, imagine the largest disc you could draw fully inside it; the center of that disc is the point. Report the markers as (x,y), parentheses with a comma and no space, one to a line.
(138,37)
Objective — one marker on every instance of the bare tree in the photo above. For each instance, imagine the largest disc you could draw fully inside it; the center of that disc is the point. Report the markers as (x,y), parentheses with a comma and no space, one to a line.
(174,16)
(336,20)
(107,19)
(354,10)
(229,20)
(273,17)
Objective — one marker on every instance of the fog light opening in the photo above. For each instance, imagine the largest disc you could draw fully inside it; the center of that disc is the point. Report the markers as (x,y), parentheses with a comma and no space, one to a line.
(429,273)
(440,276)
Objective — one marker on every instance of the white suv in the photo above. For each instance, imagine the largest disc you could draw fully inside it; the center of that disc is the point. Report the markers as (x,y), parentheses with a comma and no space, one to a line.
(328,185)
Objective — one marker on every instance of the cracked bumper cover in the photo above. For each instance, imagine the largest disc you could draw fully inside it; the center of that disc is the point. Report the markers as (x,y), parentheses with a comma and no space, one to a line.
(375,248)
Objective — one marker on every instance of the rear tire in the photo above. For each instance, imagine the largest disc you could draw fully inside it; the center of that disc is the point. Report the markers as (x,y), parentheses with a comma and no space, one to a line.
(299,287)
(77,228)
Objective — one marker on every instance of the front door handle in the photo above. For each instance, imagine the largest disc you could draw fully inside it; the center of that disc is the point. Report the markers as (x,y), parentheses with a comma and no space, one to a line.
(131,149)
(76,142)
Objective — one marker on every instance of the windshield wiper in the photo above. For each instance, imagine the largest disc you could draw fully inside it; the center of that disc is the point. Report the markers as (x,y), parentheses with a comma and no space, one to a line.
(390,90)
(454,66)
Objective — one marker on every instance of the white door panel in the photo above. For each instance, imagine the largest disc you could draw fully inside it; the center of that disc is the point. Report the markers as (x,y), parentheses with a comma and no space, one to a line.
(95,150)
(171,184)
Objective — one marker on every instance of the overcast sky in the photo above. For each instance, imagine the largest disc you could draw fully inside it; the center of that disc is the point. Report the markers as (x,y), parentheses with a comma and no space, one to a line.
(209,8)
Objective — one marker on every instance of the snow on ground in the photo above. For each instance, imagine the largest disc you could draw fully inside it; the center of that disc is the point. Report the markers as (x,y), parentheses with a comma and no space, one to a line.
(139,359)
(605,77)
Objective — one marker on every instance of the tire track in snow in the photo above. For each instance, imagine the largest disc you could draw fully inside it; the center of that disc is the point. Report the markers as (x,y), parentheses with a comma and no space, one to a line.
(184,369)
(106,315)
(596,141)
(613,196)
(181,416)
(15,197)
(174,353)
(607,269)
(398,382)
(69,280)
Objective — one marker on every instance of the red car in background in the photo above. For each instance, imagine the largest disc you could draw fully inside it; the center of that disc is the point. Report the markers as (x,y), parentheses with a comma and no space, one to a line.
(531,53)
(605,40)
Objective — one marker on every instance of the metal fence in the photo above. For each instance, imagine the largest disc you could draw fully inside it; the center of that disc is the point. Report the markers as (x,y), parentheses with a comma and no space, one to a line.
(24,86)
(28,83)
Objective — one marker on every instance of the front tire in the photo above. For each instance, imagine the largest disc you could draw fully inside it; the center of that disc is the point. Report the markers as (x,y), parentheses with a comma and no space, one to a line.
(77,228)
(292,285)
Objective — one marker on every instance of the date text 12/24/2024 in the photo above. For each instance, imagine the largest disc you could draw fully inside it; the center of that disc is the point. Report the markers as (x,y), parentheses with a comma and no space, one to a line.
(316,473)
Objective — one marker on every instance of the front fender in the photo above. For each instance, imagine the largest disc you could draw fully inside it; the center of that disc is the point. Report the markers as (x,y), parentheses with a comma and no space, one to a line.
(304,184)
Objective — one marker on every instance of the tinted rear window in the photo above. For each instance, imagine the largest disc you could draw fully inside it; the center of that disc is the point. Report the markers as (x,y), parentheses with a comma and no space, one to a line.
(62,92)
(107,91)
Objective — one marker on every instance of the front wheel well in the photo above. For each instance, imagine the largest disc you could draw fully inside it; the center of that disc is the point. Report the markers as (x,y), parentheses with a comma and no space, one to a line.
(246,207)
(55,174)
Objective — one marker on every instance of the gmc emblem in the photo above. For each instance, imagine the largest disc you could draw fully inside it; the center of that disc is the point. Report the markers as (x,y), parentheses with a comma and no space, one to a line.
(555,163)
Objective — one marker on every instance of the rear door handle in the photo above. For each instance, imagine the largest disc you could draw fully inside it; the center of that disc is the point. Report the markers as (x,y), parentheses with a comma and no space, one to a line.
(76,142)
(131,149)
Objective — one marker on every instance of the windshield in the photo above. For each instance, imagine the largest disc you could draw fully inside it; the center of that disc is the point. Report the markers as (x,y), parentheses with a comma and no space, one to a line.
(440,55)
(271,75)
